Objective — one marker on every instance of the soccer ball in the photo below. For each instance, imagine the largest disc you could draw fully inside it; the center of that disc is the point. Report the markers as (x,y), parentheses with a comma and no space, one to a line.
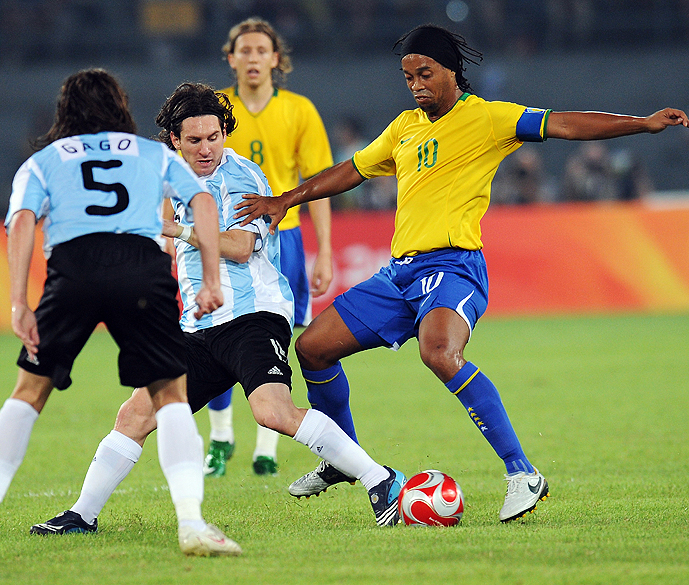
(431,498)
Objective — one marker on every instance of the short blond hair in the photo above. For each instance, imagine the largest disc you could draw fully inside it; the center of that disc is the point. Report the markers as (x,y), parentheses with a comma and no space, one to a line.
(256,24)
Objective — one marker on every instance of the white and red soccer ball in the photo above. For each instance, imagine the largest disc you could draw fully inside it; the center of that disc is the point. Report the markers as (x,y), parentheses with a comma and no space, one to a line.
(431,498)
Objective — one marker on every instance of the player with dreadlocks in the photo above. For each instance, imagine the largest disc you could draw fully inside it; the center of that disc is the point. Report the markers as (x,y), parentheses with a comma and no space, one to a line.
(444,155)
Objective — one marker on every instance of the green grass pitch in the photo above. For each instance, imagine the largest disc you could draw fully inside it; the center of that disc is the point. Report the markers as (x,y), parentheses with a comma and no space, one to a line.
(600,405)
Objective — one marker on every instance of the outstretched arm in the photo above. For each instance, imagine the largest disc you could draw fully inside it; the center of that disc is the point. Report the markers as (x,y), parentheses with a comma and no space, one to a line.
(599,125)
(337,179)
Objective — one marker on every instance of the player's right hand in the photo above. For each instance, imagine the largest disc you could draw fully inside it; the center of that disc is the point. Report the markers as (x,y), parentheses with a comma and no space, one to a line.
(208,300)
(25,328)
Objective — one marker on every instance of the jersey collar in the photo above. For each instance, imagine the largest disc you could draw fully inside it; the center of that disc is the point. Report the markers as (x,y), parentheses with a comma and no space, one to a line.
(462,98)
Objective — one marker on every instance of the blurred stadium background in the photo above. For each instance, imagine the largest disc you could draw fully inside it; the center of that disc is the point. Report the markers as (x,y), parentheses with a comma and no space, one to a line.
(626,56)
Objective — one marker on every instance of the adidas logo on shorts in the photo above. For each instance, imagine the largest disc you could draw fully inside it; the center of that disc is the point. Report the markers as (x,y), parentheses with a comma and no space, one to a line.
(275,371)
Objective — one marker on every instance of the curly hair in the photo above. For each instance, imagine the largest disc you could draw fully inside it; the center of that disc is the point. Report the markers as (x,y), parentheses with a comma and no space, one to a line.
(256,24)
(89,102)
(190,100)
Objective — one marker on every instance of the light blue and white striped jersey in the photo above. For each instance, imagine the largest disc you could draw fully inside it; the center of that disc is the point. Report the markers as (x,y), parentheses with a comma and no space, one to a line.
(256,285)
(107,182)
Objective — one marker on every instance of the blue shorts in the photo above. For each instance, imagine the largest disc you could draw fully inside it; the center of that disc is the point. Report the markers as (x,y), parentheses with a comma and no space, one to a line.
(293,266)
(386,309)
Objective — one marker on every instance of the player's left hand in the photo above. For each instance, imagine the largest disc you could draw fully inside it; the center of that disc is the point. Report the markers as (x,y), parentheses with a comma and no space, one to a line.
(322,275)
(171,229)
(668,117)
(208,300)
(25,328)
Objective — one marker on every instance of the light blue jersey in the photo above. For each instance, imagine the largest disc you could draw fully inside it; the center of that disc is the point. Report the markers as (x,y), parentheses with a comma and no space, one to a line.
(257,285)
(108,182)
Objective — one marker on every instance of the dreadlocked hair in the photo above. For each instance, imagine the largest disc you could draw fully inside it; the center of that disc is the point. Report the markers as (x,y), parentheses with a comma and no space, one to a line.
(457,44)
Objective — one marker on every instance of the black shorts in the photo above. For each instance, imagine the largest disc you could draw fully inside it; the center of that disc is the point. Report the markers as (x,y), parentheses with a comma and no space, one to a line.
(124,281)
(251,349)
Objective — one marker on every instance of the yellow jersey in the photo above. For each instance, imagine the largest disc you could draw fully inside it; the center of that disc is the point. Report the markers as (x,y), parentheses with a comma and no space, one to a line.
(287,139)
(445,168)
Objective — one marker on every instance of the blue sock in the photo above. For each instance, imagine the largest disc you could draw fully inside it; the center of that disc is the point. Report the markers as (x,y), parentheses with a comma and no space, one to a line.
(482,401)
(221,402)
(328,391)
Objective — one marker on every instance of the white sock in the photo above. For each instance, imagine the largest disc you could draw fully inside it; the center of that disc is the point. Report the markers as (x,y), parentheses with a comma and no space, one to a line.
(266,443)
(320,434)
(180,450)
(16,423)
(114,459)
(221,425)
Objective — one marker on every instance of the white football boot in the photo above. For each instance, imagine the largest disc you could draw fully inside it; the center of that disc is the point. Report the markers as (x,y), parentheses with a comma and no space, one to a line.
(524,490)
(209,542)
(319,480)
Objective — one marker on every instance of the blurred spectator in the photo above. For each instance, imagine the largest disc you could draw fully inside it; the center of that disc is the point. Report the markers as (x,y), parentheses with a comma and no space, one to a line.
(589,175)
(40,121)
(527,25)
(23,24)
(19,148)
(382,194)
(46,35)
(594,173)
(522,179)
(633,181)
(348,137)
(570,23)
(57,30)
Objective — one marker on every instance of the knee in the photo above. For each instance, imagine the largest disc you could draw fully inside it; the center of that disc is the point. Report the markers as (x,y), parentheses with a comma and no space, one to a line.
(325,341)
(32,389)
(442,359)
(310,354)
